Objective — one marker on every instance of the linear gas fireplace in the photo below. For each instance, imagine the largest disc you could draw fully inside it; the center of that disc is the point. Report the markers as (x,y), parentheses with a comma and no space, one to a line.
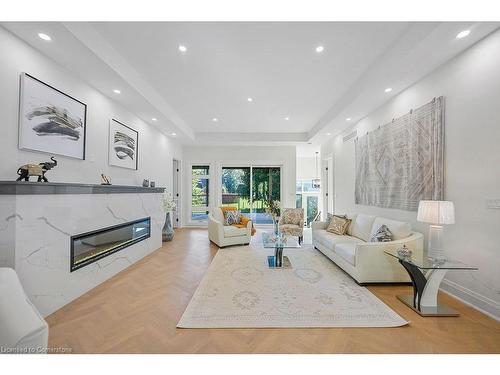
(87,248)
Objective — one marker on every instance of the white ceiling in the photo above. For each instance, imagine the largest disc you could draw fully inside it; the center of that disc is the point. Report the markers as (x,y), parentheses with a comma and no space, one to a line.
(274,63)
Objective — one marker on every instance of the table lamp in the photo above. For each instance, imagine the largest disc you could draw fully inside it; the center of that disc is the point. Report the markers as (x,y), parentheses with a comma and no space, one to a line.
(436,213)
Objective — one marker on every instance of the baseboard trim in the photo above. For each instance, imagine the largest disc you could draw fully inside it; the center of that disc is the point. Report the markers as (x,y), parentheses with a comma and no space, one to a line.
(473,299)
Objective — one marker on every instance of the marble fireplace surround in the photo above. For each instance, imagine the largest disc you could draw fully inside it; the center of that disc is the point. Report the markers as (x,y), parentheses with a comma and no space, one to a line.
(38,219)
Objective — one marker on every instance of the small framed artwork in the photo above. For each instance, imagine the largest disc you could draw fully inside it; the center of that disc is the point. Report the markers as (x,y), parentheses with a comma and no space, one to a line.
(51,121)
(123,145)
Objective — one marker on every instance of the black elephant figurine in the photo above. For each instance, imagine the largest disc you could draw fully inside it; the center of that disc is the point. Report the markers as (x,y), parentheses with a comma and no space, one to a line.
(28,170)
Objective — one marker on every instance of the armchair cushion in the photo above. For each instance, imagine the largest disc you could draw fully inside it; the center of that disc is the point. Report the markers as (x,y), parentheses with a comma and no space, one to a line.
(291,229)
(234,231)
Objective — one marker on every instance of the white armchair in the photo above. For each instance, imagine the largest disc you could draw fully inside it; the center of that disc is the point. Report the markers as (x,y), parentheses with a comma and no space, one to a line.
(22,328)
(227,235)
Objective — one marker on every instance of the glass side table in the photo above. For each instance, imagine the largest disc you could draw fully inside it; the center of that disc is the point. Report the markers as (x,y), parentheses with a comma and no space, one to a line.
(426,276)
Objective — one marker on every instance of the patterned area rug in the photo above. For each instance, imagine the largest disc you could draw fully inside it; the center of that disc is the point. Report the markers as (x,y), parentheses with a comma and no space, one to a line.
(240,291)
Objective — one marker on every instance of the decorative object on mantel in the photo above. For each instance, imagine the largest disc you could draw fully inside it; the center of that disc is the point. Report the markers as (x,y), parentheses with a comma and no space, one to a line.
(28,170)
(401,163)
(123,145)
(145,183)
(168,205)
(273,209)
(436,213)
(105,180)
(50,121)
(152,184)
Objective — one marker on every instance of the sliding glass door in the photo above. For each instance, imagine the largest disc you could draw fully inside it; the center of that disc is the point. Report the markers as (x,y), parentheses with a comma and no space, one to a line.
(248,188)
(266,185)
(236,188)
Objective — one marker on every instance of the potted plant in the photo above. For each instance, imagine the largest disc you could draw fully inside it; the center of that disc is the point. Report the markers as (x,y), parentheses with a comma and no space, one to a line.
(273,208)
(169,205)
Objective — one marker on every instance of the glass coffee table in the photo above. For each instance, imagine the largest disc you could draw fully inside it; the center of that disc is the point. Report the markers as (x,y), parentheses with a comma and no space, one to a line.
(426,276)
(278,243)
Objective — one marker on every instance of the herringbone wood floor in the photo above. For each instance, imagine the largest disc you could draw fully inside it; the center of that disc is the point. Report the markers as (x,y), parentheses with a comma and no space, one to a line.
(137,311)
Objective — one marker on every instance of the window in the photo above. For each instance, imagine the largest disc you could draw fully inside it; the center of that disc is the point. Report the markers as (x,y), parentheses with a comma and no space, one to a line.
(307,197)
(248,188)
(200,182)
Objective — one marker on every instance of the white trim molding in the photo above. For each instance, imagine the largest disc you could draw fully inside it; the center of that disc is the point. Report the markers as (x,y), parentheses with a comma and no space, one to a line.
(473,299)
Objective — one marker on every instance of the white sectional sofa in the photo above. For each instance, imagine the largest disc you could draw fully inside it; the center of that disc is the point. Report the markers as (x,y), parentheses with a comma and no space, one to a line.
(365,261)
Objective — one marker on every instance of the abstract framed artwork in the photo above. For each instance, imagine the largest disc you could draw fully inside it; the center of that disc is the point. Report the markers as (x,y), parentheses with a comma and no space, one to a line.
(123,145)
(50,120)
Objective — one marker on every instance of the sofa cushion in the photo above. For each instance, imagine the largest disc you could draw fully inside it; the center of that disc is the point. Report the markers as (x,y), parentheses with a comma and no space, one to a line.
(362,226)
(351,224)
(232,231)
(347,251)
(399,229)
(329,240)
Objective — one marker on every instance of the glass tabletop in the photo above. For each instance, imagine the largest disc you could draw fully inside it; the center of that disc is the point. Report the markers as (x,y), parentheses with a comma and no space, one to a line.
(270,240)
(430,264)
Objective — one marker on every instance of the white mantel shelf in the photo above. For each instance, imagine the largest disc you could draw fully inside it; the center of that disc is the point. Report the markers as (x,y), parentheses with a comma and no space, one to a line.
(41,188)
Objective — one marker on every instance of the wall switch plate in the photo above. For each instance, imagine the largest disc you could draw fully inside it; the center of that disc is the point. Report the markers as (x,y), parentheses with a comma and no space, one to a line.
(493,204)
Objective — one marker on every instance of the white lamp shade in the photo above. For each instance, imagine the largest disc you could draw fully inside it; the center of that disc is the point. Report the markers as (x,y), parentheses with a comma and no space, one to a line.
(436,212)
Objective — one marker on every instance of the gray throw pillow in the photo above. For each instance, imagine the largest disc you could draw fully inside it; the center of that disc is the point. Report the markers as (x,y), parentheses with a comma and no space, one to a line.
(383,234)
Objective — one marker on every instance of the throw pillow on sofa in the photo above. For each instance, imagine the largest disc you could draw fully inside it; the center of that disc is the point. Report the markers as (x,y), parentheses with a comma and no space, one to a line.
(338,225)
(232,217)
(383,234)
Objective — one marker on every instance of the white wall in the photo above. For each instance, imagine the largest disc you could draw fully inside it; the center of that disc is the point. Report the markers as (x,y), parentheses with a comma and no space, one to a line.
(156,150)
(217,156)
(470,84)
(306,167)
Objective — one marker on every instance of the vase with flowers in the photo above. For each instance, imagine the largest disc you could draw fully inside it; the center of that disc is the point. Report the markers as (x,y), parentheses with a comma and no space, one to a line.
(273,209)
(169,205)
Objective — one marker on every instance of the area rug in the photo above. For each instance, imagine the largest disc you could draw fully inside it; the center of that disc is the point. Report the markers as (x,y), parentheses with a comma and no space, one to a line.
(240,291)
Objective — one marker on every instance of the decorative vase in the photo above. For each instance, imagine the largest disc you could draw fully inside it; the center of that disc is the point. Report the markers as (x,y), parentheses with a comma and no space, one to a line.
(167,232)
(278,256)
(276,221)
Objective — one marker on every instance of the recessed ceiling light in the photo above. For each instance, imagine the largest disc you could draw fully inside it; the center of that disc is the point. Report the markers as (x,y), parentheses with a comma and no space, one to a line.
(182,48)
(215,119)
(116,91)
(174,134)
(154,119)
(463,34)
(388,89)
(320,49)
(287,118)
(348,119)
(328,134)
(249,100)
(44,36)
